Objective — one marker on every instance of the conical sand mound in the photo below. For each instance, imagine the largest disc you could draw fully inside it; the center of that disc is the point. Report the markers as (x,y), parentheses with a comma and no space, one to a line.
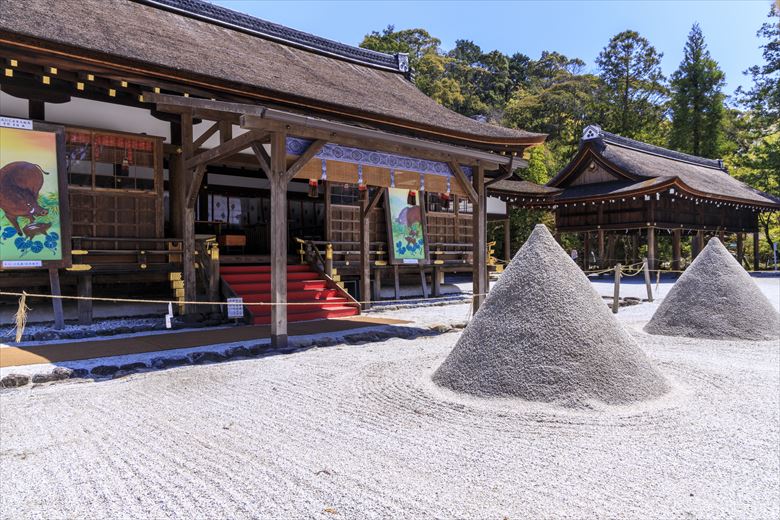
(716,298)
(544,334)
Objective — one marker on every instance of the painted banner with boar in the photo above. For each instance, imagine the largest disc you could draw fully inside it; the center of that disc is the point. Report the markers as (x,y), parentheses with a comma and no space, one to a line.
(406,226)
(31,233)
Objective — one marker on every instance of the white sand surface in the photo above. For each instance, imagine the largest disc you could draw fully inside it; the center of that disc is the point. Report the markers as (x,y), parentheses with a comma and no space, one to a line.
(361,432)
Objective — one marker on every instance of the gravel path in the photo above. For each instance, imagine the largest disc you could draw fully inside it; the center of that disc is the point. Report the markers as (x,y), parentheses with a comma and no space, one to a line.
(361,432)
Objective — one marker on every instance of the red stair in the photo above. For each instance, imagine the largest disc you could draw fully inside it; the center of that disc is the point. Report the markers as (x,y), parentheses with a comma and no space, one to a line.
(304,286)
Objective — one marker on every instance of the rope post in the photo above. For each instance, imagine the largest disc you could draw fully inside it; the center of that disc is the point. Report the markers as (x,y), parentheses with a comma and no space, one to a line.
(329,259)
(647,281)
(616,294)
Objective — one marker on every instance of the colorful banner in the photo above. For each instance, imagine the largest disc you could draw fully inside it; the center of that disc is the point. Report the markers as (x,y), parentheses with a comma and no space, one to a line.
(407,225)
(30,227)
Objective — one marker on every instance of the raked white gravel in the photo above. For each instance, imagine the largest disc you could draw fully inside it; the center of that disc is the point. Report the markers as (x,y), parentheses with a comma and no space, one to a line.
(361,432)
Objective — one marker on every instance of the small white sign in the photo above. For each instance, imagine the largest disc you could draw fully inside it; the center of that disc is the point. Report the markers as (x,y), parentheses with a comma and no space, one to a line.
(21,264)
(235,307)
(12,122)
(410,260)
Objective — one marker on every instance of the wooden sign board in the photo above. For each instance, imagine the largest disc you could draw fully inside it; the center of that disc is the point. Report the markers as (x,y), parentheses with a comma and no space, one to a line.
(406,229)
(34,212)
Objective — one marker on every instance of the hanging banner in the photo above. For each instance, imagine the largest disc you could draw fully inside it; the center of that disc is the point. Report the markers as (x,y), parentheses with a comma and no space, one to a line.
(34,231)
(406,226)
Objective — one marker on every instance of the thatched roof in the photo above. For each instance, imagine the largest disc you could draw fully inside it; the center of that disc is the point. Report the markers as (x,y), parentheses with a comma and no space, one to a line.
(200,42)
(643,168)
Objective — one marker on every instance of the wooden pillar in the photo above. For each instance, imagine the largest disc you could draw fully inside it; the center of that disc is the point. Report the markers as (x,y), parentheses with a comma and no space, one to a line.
(56,303)
(36,109)
(756,257)
(84,289)
(611,247)
(507,240)
(698,243)
(278,185)
(634,246)
(602,249)
(479,231)
(377,288)
(676,249)
(176,182)
(586,248)
(187,216)
(436,281)
(651,248)
(456,216)
(397,282)
(365,251)
(327,210)
(740,247)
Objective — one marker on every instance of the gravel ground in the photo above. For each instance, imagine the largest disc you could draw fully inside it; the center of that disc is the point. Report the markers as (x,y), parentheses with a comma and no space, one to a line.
(716,298)
(362,432)
(544,334)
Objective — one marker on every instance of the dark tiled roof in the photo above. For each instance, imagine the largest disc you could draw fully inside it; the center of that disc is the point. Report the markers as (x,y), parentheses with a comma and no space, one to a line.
(651,166)
(236,20)
(246,63)
(515,186)
(609,189)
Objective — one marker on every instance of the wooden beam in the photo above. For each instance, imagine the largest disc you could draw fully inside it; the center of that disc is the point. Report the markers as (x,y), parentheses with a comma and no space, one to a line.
(225,149)
(479,239)
(205,136)
(365,254)
(756,255)
(374,202)
(464,182)
(652,254)
(278,185)
(313,149)
(263,158)
(194,188)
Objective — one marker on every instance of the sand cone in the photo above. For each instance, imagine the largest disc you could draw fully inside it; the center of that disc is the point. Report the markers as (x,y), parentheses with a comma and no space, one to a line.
(716,298)
(544,334)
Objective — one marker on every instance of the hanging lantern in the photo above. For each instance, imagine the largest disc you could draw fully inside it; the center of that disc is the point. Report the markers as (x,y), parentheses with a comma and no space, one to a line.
(125,166)
(313,188)
(361,184)
(411,199)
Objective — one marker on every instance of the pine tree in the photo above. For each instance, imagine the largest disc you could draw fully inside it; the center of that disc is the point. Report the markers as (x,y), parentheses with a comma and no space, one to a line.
(697,100)
(635,92)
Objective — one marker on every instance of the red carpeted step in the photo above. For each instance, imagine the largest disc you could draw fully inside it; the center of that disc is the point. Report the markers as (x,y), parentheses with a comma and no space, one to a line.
(311,295)
(253,288)
(243,269)
(336,312)
(266,277)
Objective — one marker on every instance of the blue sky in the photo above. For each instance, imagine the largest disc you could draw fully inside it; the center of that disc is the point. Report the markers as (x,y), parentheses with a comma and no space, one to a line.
(576,29)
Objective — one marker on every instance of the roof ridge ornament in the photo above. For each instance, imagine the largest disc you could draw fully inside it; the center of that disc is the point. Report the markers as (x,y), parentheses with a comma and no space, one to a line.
(592,132)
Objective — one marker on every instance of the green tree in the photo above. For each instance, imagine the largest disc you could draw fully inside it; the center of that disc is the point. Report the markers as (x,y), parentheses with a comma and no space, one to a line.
(414,42)
(757,161)
(557,100)
(633,100)
(697,100)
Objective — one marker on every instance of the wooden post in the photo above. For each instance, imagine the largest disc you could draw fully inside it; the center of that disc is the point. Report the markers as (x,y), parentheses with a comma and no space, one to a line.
(397,281)
(479,242)
(611,246)
(423,282)
(651,248)
(213,263)
(616,292)
(177,188)
(634,247)
(329,259)
(602,249)
(507,240)
(36,109)
(327,212)
(365,251)
(586,247)
(377,289)
(756,256)
(84,290)
(740,247)
(698,243)
(187,216)
(56,303)
(436,281)
(676,249)
(646,269)
(278,185)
